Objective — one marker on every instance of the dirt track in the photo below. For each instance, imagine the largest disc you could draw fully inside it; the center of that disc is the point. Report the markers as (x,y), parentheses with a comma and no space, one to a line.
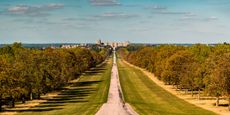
(115,104)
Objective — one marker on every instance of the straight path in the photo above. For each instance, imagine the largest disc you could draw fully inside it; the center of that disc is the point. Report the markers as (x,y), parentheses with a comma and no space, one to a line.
(115,104)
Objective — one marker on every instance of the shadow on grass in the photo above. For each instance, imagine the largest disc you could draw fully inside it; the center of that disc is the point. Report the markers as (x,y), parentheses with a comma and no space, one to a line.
(221,105)
(94,71)
(78,92)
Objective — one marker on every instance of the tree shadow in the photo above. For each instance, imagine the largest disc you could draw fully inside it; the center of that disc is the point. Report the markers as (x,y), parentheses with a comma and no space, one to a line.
(77,92)
(33,110)
(95,71)
(223,105)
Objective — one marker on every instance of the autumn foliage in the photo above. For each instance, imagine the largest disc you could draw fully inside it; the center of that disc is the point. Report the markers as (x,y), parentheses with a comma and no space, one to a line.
(197,68)
(28,73)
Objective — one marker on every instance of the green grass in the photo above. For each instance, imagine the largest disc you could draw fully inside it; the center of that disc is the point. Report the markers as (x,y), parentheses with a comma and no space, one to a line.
(147,98)
(84,97)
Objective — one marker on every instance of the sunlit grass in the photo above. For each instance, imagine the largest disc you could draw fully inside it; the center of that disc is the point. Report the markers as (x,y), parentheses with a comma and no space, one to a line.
(147,98)
(83,97)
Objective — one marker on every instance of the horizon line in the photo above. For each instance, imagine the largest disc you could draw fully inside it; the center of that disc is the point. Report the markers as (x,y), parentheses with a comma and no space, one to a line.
(116,42)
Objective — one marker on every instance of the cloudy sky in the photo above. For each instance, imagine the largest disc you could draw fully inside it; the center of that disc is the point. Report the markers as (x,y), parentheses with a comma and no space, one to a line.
(140,21)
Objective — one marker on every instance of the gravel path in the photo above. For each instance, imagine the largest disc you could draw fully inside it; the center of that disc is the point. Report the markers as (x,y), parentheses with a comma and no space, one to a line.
(115,104)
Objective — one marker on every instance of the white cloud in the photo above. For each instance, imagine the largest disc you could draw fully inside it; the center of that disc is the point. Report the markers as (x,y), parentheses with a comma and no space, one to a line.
(170,12)
(54,5)
(212,18)
(116,15)
(155,7)
(186,18)
(33,10)
(18,9)
(105,2)
(190,14)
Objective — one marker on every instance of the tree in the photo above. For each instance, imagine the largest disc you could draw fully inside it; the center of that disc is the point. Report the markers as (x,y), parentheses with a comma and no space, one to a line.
(163,53)
(197,67)
(177,68)
(11,78)
(28,73)
(201,53)
(218,79)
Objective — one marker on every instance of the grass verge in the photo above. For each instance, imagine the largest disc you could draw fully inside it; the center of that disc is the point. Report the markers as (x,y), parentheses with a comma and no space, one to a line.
(82,97)
(147,98)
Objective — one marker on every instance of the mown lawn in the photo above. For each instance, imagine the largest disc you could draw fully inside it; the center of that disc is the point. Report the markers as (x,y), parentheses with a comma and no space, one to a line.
(147,98)
(84,97)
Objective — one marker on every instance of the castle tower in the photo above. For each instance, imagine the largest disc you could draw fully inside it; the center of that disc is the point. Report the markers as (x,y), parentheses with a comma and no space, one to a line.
(98,42)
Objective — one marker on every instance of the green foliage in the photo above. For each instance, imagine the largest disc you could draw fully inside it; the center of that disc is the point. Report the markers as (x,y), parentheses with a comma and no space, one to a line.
(218,77)
(134,47)
(197,67)
(147,98)
(84,96)
(30,71)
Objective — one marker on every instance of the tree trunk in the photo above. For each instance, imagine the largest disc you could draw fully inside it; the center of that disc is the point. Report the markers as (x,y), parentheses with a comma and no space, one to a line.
(31,96)
(13,103)
(23,99)
(39,95)
(192,92)
(0,103)
(229,103)
(199,94)
(217,101)
(186,91)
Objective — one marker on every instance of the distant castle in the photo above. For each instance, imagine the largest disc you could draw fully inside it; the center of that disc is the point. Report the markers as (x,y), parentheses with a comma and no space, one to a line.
(98,42)
(113,44)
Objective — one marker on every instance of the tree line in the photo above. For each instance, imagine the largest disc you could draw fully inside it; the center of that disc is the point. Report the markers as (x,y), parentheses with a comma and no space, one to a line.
(193,68)
(25,73)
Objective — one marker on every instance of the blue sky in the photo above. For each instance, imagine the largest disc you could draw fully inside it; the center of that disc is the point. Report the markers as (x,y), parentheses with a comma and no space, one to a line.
(140,21)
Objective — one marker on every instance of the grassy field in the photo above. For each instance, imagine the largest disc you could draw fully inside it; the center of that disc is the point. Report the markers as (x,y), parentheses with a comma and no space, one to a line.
(147,98)
(83,97)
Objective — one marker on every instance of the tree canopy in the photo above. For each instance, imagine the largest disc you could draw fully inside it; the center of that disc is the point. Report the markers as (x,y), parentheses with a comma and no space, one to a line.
(196,68)
(28,73)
